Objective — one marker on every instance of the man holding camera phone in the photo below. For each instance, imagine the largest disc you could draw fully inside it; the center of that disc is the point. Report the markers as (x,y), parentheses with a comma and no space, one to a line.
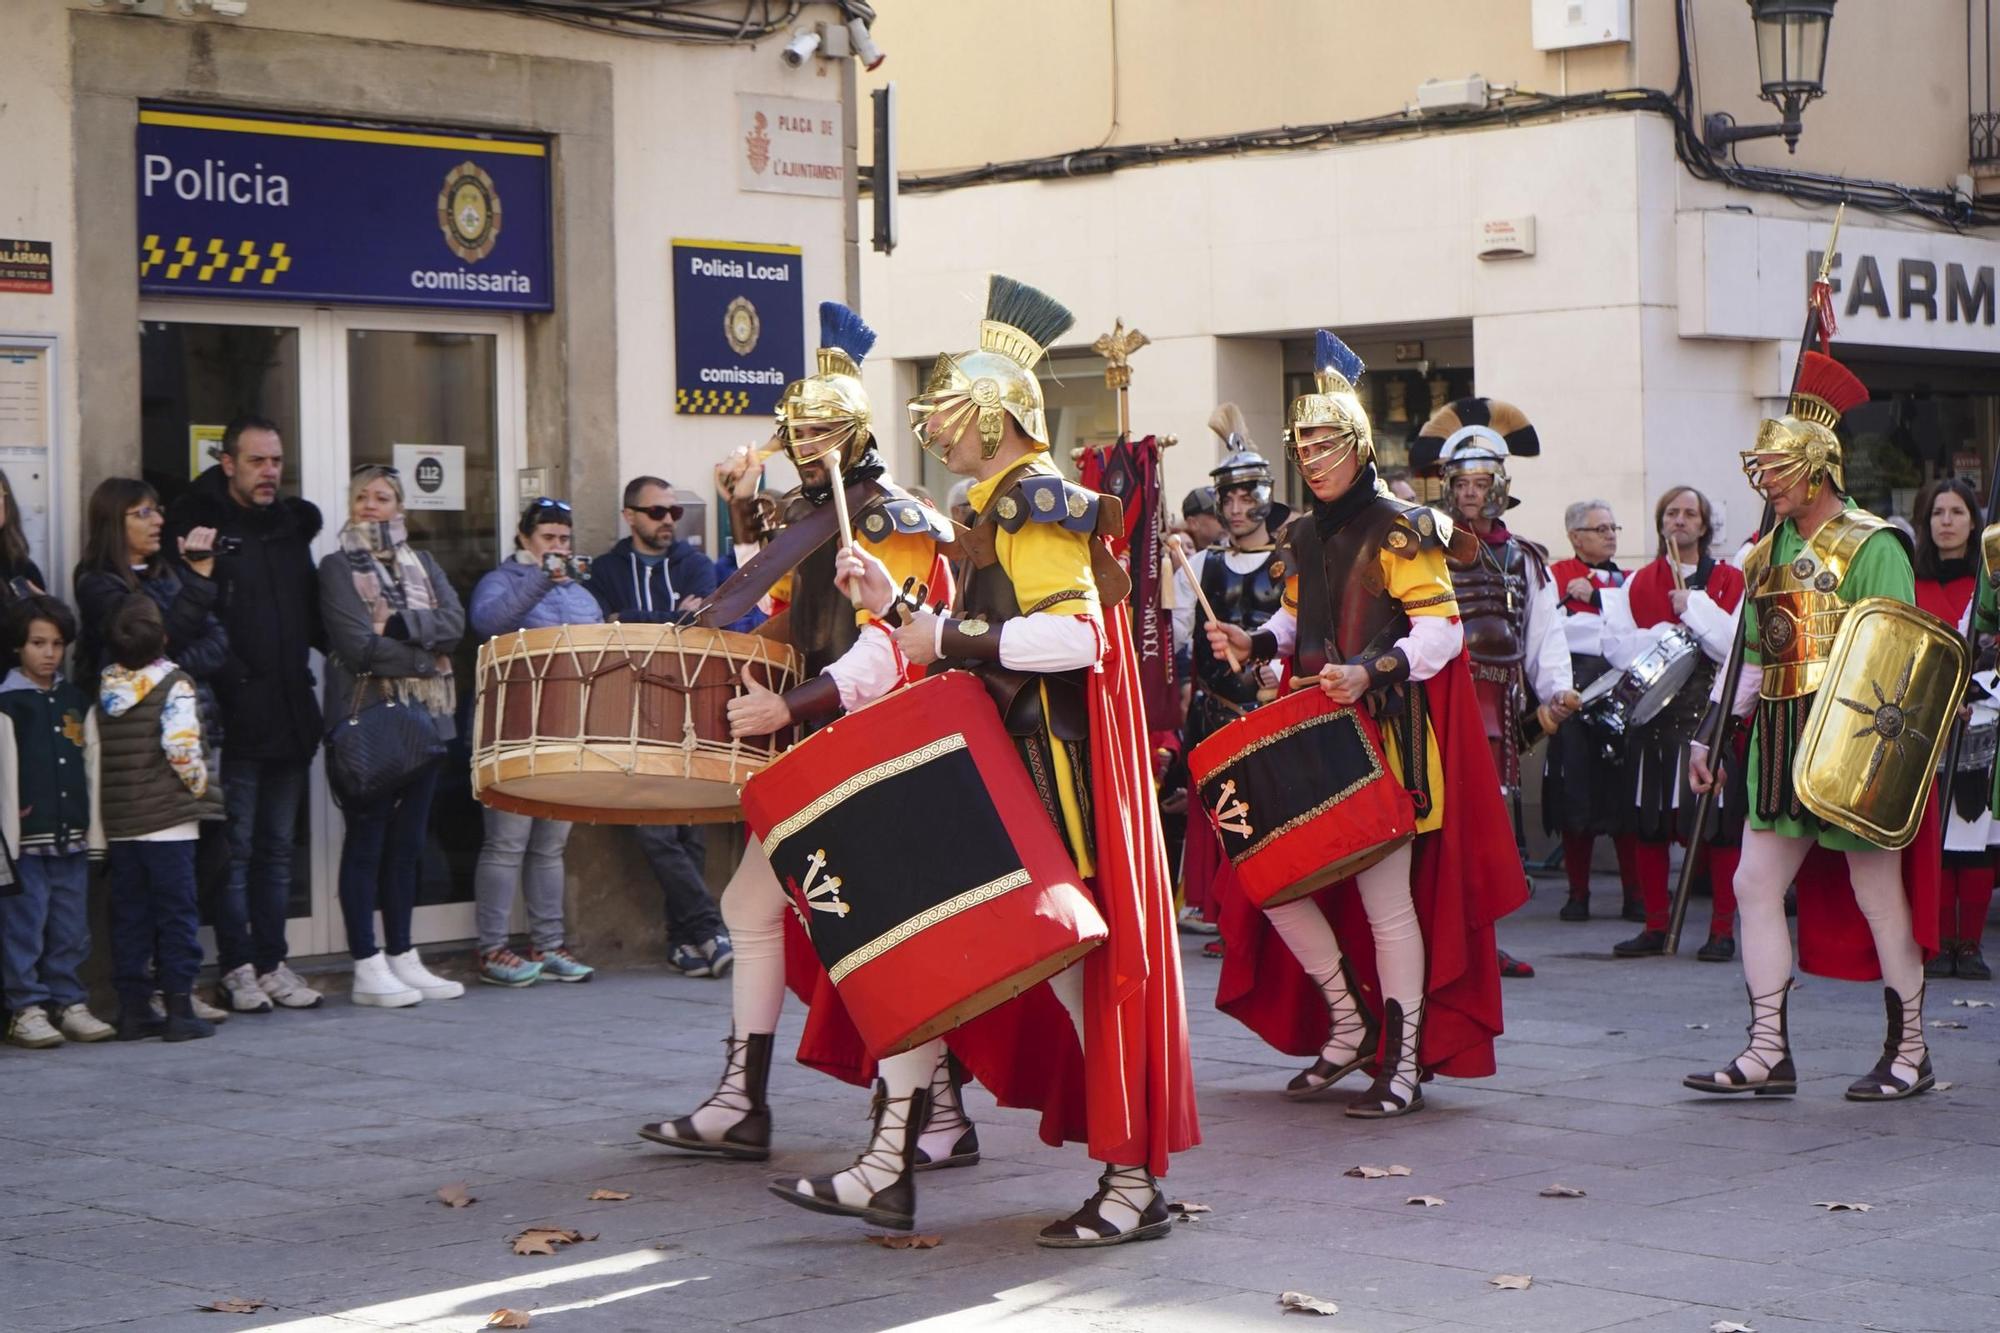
(269,604)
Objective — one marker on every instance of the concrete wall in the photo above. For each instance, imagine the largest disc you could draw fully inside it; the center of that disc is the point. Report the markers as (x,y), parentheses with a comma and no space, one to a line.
(989,80)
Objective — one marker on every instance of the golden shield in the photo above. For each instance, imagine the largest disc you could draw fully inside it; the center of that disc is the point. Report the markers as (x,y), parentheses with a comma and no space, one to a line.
(469,212)
(1880,719)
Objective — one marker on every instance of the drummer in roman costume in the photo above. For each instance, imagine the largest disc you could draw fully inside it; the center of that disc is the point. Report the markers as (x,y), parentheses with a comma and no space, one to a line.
(1101,1048)
(1393,970)
(849,659)
(1583,794)
(1244,581)
(1685,586)
(1848,705)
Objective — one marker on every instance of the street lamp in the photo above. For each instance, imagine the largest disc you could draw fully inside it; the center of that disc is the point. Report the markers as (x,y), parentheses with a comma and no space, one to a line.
(1791,66)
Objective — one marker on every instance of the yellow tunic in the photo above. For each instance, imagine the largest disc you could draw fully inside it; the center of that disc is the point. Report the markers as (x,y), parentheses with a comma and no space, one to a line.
(908,555)
(1422,584)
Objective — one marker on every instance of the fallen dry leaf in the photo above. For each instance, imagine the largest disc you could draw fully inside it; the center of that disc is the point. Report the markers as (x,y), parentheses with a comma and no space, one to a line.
(1697,1027)
(544,1240)
(1399,1170)
(1729,1326)
(1562,1192)
(610,1196)
(1300,1303)
(905,1242)
(454,1195)
(1365,1172)
(1835,1207)
(1427,1200)
(233,1305)
(1183,1206)
(1973,1004)
(1942,1085)
(508,1319)
(1514,1281)
(1950,1023)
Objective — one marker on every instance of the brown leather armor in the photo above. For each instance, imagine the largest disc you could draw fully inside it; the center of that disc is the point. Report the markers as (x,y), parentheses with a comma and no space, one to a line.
(1493,603)
(1347,566)
(821,621)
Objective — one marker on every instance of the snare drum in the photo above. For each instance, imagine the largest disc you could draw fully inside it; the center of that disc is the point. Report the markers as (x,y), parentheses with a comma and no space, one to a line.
(1623,701)
(921,861)
(620,724)
(1301,795)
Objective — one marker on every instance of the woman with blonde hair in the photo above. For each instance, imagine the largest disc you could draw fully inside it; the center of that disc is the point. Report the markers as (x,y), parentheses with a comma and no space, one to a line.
(392,620)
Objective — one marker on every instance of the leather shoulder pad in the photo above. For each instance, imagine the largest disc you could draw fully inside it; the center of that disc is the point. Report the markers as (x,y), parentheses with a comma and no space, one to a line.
(1416,529)
(793,504)
(898,511)
(1045,499)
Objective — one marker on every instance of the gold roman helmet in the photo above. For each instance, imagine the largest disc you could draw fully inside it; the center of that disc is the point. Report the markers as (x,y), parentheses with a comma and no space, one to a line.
(1020,324)
(1333,412)
(1801,444)
(828,410)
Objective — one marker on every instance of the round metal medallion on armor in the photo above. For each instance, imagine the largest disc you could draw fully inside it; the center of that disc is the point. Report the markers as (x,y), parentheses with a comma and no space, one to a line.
(1888,722)
(469,212)
(1827,581)
(1008,507)
(1424,523)
(973,627)
(1398,540)
(1045,500)
(1778,632)
(876,522)
(1077,504)
(908,514)
(1277,568)
(986,392)
(1802,568)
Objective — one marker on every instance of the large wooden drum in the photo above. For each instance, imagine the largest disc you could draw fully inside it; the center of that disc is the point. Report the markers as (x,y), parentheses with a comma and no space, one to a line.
(621,724)
(913,847)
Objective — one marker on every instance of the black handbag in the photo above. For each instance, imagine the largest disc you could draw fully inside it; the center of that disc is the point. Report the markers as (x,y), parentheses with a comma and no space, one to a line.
(375,751)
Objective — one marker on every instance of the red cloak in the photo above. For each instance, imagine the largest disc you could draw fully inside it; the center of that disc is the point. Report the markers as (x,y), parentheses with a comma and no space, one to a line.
(1464,877)
(1834,939)
(1133,1101)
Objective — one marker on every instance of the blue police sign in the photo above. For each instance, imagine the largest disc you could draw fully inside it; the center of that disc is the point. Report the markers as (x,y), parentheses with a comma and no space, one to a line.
(739,325)
(246,205)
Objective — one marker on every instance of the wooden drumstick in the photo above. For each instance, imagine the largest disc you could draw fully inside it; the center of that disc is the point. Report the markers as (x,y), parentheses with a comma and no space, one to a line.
(1206,610)
(832,461)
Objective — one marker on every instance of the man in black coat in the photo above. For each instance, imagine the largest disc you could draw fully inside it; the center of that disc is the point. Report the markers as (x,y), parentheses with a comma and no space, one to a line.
(270,707)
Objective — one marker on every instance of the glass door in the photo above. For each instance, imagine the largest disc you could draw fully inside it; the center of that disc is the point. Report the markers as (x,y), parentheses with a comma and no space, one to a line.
(434,394)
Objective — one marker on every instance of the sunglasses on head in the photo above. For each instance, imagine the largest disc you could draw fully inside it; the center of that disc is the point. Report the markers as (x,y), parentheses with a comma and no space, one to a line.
(376,469)
(559,506)
(658,513)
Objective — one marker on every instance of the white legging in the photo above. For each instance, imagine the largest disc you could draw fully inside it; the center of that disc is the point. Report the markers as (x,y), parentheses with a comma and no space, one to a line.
(1769,862)
(1392,919)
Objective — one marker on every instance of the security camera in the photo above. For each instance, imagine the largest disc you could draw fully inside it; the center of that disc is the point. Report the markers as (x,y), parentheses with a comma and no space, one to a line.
(865,49)
(804,42)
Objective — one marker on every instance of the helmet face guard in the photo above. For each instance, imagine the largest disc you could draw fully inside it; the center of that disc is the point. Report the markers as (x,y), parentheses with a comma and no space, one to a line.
(1790,450)
(1478,451)
(983,385)
(826,413)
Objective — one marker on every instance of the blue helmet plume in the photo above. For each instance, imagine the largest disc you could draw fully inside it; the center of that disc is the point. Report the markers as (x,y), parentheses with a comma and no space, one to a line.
(842,328)
(1330,353)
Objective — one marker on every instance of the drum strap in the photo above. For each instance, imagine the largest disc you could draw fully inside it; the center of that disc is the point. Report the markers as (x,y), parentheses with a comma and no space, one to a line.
(794,542)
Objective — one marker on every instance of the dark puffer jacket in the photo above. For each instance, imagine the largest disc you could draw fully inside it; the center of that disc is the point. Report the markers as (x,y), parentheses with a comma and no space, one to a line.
(196,640)
(269,605)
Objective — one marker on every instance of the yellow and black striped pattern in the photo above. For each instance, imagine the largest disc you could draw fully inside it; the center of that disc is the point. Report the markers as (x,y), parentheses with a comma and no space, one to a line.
(716,402)
(217,261)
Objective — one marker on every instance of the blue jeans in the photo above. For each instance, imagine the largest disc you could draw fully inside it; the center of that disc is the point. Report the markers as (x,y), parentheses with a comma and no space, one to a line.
(678,855)
(45,931)
(153,914)
(263,796)
(380,859)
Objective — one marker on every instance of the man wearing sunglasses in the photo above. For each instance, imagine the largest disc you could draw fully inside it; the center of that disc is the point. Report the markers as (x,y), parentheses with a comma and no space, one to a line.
(654,578)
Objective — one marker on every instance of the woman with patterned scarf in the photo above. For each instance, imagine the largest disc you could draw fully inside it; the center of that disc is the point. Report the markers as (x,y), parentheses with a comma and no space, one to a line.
(392,620)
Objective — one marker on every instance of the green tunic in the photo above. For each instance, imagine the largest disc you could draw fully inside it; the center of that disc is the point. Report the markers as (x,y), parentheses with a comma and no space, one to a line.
(1986,620)
(1881,568)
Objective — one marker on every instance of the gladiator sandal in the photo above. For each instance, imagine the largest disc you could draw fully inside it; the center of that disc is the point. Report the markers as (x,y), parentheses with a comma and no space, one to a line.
(745,1076)
(957,1138)
(1765,1066)
(1905,1067)
(1398,1088)
(1350,1044)
(1133,1189)
(879,1188)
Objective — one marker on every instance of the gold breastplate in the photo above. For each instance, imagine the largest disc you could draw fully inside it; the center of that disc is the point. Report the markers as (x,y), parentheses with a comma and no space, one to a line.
(1799,607)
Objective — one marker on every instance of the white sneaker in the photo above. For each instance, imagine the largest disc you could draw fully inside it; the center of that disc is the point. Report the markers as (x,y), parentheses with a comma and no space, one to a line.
(79,1024)
(410,970)
(241,992)
(284,986)
(30,1030)
(375,984)
(202,1008)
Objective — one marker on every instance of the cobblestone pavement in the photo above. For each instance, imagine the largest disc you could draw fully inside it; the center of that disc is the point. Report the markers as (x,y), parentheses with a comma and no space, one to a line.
(294,1159)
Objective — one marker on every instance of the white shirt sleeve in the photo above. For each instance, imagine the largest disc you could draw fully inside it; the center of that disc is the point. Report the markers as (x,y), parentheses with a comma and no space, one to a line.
(1748,686)
(1712,627)
(1431,644)
(1619,646)
(1049,642)
(1185,605)
(870,668)
(1548,649)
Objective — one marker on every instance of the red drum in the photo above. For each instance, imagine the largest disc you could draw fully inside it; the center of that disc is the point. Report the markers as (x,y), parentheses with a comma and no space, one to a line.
(927,872)
(1301,796)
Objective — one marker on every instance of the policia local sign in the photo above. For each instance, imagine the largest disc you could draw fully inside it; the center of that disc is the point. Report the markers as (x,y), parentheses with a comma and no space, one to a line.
(739,325)
(247,205)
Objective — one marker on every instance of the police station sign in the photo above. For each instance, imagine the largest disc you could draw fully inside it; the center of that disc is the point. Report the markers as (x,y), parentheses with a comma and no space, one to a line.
(739,325)
(252,206)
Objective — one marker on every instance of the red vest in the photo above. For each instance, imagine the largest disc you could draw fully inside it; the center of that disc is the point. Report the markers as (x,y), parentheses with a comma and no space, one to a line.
(1650,592)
